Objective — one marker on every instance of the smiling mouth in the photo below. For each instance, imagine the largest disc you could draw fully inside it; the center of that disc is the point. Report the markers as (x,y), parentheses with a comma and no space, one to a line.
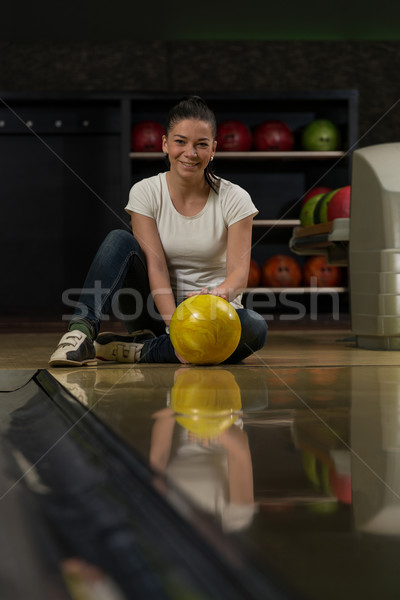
(185,164)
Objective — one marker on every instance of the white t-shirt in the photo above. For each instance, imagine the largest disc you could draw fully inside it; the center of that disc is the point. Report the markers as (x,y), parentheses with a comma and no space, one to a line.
(202,474)
(194,247)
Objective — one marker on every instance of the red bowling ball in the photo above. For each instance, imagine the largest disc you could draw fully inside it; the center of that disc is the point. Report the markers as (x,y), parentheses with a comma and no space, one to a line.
(273,135)
(233,136)
(147,137)
(339,205)
(314,191)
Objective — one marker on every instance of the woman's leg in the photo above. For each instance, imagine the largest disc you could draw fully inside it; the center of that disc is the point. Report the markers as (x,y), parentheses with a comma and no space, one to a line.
(135,305)
(158,350)
(120,265)
(119,261)
(253,337)
(116,282)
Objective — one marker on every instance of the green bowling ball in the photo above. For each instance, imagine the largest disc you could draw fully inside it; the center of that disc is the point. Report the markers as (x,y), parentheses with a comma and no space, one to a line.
(307,210)
(321,135)
(321,209)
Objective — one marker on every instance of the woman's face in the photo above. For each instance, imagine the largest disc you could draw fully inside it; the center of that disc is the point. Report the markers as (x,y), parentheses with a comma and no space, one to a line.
(190,146)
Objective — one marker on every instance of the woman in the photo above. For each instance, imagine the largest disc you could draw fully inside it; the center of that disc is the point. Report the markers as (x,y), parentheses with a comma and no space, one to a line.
(191,235)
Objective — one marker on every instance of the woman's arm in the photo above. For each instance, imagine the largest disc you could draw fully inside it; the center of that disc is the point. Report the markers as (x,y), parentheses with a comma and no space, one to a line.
(238,254)
(145,231)
(240,468)
(161,439)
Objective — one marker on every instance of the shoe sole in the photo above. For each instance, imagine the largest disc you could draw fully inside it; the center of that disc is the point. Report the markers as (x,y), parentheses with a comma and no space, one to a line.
(73,363)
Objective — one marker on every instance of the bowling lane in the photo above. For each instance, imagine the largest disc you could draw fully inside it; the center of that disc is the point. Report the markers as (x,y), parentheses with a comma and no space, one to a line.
(298,466)
(81,516)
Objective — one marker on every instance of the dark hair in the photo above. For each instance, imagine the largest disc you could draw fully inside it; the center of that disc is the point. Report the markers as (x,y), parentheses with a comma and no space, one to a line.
(194,107)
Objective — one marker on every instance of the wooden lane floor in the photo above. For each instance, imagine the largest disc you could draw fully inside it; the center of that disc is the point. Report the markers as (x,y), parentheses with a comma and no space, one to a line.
(284,348)
(299,463)
(294,454)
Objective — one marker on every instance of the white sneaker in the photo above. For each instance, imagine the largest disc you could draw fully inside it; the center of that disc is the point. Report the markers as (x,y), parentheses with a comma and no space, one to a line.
(74,349)
(121,348)
(79,382)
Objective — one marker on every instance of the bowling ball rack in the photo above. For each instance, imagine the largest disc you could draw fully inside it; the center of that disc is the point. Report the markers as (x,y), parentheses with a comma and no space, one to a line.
(329,239)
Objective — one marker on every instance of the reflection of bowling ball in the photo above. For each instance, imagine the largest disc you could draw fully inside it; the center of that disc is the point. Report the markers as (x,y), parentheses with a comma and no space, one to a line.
(317,473)
(273,135)
(323,476)
(341,486)
(318,273)
(314,192)
(323,377)
(254,274)
(147,137)
(281,270)
(205,329)
(233,136)
(339,206)
(307,210)
(206,401)
(321,135)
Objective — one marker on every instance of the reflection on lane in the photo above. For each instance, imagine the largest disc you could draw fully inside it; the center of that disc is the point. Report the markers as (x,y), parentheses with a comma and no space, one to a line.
(302,465)
(88,522)
(81,524)
(375,440)
(208,458)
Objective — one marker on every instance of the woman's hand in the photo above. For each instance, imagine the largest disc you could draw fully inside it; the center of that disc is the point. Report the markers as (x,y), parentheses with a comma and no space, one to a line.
(204,290)
(217,292)
(181,359)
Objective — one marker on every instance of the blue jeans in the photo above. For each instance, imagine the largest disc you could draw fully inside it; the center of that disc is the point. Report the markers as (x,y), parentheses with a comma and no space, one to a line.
(117,281)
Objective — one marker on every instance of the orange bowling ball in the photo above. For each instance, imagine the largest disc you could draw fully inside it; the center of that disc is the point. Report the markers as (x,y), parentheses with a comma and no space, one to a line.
(318,273)
(254,274)
(281,270)
(205,329)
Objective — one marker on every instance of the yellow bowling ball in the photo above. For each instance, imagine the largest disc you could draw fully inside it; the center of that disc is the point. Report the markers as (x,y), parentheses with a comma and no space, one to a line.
(206,402)
(205,329)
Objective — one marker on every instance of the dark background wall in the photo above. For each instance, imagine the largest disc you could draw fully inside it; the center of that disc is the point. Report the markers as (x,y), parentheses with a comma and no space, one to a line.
(172,47)
(98,45)
(371,67)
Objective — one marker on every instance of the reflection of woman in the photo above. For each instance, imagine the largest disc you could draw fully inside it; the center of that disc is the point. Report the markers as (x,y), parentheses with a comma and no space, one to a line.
(209,458)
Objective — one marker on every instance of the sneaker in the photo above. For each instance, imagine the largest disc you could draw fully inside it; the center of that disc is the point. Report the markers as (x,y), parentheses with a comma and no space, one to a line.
(80,383)
(121,348)
(74,349)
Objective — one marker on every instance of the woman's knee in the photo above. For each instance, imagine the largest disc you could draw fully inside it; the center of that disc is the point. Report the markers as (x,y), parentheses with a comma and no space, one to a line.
(120,237)
(120,243)
(254,328)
